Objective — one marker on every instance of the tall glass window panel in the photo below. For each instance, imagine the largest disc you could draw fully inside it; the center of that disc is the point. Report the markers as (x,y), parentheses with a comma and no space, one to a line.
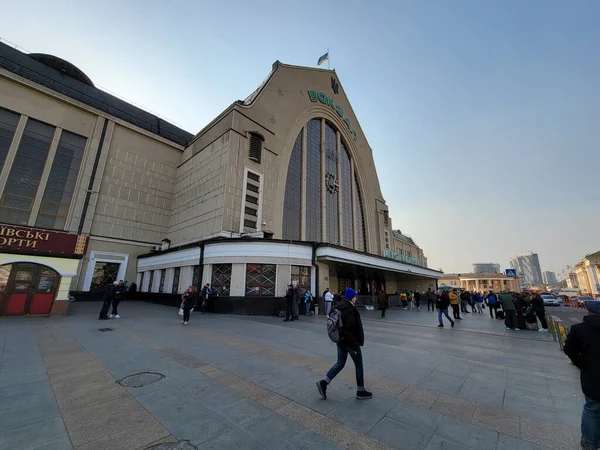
(221,279)
(292,205)
(8,125)
(260,279)
(331,165)
(61,182)
(346,198)
(302,276)
(25,174)
(313,180)
(359,219)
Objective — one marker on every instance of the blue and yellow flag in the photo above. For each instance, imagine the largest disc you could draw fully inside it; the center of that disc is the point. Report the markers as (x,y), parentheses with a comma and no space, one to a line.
(323,58)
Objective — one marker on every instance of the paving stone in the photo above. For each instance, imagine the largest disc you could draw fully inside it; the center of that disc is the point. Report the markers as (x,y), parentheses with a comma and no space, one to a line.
(529,403)
(466,434)
(454,407)
(548,434)
(33,435)
(232,439)
(270,429)
(443,383)
(401,435)
(307,440)
(139,436)
(415,416)
(497,419)
(418,396)
(241,411)
(512,443)
(439,443)
(18,416)
(356,414)
(482,394)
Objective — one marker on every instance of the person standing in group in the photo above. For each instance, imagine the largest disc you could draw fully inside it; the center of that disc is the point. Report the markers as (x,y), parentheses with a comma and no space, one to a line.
(583,347)
(472,302)
(453,295)
(296,304)
(508,306)
(383,302)
(411,301)
(537,303)
(328,297)
(308,299)
(492,304)
(107,299)
(352,339)
(443,301)
(403,300)
(431,299)
(119,295)
(290,300)
(417,297)
(464,301)
(478,299)
(188,301)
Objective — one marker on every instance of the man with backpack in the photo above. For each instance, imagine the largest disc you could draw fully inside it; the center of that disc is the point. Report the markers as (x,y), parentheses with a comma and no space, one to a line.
(345,329)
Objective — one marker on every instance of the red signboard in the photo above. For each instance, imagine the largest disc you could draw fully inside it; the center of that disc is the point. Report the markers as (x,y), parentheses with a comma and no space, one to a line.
(23,239)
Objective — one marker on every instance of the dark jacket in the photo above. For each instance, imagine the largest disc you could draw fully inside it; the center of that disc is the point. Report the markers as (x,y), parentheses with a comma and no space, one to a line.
(431,295)
(382,300)
(507,302)
(189,299)
(443,302)
(353,335)
(583,347)
(109,294)
(291,295)
(538,303)
(417,296)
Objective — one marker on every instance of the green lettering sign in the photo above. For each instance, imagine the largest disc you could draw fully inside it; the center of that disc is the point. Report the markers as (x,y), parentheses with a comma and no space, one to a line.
(330,101)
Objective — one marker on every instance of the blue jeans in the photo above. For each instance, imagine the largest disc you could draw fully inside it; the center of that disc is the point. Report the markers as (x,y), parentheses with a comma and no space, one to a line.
(444,312)
(342,354)
(590,423)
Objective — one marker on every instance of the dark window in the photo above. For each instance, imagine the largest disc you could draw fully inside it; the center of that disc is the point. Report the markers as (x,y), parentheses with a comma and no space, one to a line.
(359,220)
(314,183)
(8,125)
(142,282)
(251,199)
(346,198)
(301,275)
(196,281)
(161,286)
(105,274)
(249,223)
(61,182)
(253,176)
(175,287)
(386,218)
(331,165)
(252,187)
(260,279)
(255,145)
(151,281)
(292,205)
(25,174)
(221,279)
(251,211)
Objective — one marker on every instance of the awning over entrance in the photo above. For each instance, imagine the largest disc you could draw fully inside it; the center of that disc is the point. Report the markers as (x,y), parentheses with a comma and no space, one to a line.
(375,262)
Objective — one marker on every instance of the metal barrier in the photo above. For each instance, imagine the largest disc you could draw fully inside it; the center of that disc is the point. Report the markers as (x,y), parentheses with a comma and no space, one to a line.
(559,332)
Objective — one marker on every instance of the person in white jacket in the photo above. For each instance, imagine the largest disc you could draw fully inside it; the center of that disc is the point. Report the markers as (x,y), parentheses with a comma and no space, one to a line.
(328,301)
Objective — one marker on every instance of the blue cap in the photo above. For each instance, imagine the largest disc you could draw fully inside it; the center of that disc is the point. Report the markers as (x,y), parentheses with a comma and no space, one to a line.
(349,294)
(593,306)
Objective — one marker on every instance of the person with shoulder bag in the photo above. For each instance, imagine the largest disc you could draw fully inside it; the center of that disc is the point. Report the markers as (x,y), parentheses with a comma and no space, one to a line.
(188,301)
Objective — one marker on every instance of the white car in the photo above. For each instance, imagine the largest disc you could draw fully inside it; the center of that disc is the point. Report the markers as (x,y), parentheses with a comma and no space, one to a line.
(549,300)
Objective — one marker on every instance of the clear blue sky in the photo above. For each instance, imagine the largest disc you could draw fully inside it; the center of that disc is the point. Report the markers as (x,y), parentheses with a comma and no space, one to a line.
(484,117)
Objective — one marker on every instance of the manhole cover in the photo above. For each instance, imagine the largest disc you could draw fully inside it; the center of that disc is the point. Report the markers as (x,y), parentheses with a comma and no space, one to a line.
(182,445)
(141,379)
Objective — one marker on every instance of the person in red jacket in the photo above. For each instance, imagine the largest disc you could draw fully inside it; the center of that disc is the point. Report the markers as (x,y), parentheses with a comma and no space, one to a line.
(353,338)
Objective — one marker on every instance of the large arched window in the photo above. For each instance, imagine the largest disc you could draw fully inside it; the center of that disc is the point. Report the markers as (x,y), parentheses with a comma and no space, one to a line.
(330,179)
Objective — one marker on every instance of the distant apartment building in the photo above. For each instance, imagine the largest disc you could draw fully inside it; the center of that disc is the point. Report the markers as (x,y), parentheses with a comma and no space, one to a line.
(572,282)
(528,269)
(549,277)
(588,274)
(486,268)
(479,282)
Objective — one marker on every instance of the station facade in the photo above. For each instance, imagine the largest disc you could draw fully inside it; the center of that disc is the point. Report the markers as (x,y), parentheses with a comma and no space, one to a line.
(280,187)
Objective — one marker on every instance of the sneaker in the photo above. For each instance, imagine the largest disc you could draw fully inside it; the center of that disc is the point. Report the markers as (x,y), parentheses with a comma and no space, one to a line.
(364,395)
(452,325)
(111,316)
(517,329)
(185,323)
(117,316)
(440,326)
(182,322)
(507,328)
(322,387)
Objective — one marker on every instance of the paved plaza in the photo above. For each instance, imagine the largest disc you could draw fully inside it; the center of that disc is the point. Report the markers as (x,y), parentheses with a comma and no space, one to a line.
(249,383)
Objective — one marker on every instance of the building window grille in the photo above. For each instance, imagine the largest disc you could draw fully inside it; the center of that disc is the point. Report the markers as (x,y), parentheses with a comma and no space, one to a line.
(105,274)
(260,280)
(301,275)
(250,208)
(150,281)
(221,279)
(255,147)
(161,284)
(176,274)
(8,125)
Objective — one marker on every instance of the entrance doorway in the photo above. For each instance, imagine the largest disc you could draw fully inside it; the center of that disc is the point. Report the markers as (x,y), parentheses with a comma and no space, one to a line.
(27,288)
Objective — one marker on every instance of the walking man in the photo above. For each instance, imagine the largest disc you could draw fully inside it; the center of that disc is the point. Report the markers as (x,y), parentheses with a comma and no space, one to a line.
(583,347)
(290,299)
(107,298)
(119,294)
(443,301)
(206,291)
(540,311)
(417,295)
(464,301)
(478,299)
(328,296)
(492,304)
(383,302)
(430,299)
(352,339)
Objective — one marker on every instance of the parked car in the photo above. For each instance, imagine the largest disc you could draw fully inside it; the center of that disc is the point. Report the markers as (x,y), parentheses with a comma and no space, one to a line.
(583,299)
(549,300)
